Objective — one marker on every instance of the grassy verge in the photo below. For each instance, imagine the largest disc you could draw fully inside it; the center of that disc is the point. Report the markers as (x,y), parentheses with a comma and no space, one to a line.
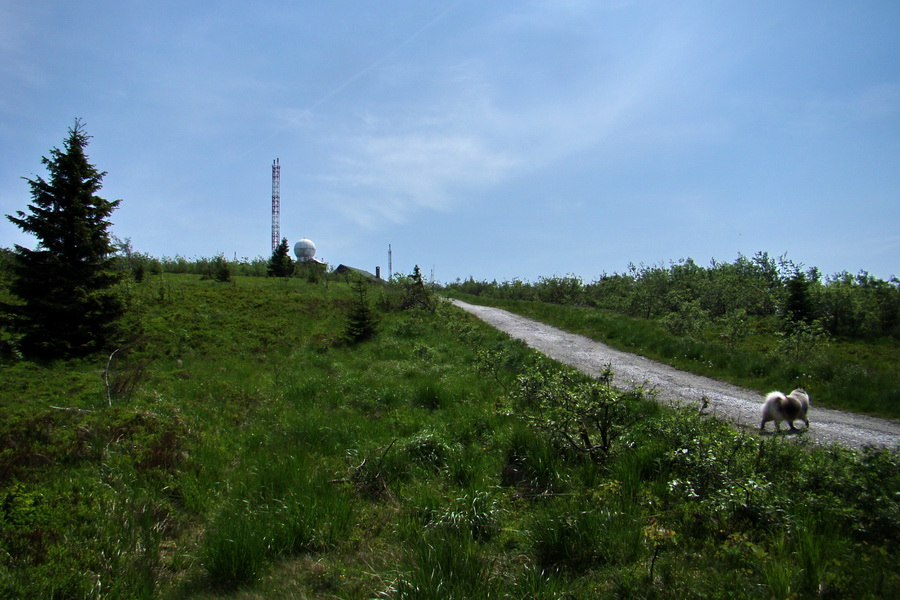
(855,376)
(259,456)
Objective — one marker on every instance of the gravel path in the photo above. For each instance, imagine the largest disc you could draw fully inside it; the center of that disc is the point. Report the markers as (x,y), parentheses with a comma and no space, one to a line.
(740,405)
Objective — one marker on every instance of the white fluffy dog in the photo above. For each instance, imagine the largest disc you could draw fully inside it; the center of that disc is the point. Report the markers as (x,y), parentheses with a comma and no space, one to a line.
(790,408)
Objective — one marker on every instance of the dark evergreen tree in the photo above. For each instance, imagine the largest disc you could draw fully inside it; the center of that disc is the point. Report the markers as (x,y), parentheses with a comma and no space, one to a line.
(68,304)
(220,270)
(798,302)
(361,321)
(416,294)
(281,265)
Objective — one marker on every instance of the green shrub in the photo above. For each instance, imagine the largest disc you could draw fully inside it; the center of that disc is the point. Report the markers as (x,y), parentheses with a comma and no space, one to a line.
(581,414)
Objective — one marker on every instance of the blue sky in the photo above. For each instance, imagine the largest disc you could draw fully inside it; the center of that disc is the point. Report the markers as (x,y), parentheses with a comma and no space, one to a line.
(496,139)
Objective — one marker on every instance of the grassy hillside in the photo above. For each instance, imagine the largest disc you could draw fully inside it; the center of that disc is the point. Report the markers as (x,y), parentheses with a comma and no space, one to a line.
(239,446)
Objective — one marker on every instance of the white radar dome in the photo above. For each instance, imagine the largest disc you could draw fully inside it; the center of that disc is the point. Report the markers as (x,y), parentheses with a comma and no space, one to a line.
(305,249)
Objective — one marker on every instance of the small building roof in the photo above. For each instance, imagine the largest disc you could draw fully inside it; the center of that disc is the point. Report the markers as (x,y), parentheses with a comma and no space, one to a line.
(346,270)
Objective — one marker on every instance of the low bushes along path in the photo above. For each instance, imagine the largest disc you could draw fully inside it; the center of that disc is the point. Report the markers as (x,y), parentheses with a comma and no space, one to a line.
(736,404)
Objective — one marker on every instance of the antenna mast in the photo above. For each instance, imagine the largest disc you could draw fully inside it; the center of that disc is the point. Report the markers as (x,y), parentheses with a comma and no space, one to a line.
(276,204)
(390,266)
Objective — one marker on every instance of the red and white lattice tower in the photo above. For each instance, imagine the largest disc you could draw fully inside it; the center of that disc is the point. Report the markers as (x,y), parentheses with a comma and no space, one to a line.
(276,204)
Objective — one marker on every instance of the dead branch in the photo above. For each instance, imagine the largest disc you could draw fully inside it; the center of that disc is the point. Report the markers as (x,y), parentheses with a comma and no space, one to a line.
(106,376)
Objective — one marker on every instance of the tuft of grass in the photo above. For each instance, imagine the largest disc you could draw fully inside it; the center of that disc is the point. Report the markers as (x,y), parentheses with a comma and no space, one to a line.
(532,463)
(234,550)
(579,535)
(279,508)
(444,563)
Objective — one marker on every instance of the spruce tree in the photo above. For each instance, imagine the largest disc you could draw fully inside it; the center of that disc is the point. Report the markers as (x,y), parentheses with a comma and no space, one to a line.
(415,294)
(68,304)
(361,321)
(798,304)
(281,265)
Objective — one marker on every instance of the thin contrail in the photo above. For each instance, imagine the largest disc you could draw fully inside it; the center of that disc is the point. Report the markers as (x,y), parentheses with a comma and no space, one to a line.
(384,58)
(361,73)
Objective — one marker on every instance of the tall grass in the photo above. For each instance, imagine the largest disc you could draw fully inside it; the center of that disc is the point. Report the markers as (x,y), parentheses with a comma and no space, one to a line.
(445,565)
(579,535)
(802,561)
(262,457)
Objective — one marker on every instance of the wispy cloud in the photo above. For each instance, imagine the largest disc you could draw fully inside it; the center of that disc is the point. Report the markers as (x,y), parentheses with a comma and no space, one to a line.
(459,136)
(386,177)
(17,66)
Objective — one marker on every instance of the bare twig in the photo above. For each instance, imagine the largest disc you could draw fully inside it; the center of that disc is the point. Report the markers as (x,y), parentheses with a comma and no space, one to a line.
(369,480)
(106,376)
(70,409)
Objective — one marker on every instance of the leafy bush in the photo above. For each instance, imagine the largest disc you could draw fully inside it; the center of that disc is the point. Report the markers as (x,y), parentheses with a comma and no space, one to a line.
(687,320)
(774,293)
(582,414)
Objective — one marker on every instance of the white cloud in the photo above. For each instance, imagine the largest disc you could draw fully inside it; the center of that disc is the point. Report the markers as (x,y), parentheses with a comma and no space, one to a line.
(385,177)
(456,134)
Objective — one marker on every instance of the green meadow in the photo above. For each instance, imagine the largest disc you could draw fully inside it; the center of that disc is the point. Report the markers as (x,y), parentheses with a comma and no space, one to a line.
(317,438)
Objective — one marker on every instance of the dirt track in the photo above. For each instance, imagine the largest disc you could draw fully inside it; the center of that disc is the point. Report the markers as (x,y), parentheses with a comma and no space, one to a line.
(736,404)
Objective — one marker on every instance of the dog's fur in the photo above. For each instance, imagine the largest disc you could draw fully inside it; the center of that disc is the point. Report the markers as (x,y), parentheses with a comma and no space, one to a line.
(790,408)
